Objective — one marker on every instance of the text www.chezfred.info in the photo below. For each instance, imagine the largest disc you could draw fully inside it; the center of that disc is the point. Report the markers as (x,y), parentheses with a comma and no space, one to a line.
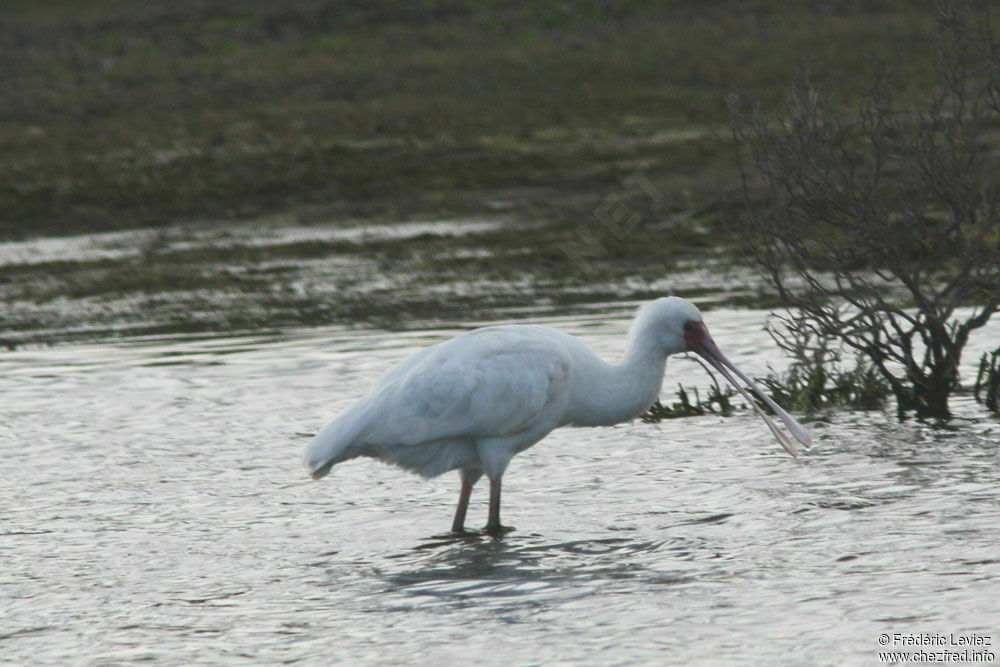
(929,647)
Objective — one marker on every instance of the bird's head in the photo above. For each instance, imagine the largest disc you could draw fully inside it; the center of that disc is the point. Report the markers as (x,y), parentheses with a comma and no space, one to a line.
(679,328)
(666,321)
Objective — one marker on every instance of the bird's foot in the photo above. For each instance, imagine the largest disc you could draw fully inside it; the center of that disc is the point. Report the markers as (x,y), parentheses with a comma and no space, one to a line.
(497,530)
(461,532)
(446,539)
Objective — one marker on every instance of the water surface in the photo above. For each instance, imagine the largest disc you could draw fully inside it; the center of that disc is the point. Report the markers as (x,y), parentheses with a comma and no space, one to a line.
(154,508)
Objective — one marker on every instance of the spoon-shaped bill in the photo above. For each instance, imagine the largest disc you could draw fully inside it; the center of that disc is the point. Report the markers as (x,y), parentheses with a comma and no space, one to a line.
(705,347)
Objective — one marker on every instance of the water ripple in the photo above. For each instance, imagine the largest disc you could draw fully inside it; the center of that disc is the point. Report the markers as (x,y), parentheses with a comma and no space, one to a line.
(155,510)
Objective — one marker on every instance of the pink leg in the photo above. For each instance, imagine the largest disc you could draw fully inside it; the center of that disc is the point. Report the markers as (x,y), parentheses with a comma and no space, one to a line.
(458,525)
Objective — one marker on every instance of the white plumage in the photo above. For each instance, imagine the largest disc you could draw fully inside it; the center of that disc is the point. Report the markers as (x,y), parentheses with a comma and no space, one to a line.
(471,403)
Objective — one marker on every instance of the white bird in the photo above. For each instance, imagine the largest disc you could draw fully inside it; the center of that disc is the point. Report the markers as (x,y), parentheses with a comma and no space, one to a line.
(471,403)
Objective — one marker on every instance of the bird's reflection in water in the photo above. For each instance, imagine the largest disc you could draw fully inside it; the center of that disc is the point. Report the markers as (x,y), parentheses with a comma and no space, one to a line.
(474,564)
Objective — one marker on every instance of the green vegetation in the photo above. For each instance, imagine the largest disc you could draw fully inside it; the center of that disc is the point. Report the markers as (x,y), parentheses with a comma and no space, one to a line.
(818,379)
(717,402)
(119,115)
(821,381)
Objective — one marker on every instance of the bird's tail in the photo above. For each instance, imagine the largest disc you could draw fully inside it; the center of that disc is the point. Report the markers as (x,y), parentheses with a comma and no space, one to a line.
(336,442)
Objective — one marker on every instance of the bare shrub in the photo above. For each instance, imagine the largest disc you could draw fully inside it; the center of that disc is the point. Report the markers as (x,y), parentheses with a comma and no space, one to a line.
(875,222)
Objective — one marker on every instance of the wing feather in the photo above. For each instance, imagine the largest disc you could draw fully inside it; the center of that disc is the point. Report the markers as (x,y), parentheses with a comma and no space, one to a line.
(488,383)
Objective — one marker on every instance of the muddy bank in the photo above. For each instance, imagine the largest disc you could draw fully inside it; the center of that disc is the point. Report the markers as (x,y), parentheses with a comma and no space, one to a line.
(278,272)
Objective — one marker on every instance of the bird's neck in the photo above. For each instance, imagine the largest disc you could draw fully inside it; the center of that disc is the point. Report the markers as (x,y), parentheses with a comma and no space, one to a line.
(618,393)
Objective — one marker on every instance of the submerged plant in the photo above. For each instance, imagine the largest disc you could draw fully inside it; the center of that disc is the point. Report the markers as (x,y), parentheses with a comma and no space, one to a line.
(987,387)
(818,376)
(716,402)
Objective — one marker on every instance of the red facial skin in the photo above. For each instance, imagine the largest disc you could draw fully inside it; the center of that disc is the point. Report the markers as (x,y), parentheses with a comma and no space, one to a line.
(696,335)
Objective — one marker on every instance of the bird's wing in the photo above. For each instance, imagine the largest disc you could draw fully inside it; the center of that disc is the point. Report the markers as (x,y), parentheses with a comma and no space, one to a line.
(489,383)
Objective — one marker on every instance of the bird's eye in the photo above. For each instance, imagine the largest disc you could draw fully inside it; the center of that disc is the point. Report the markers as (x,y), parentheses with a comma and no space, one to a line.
(688,326)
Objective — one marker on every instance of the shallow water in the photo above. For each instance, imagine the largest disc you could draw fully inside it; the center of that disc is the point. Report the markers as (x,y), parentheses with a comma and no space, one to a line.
(155,509)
